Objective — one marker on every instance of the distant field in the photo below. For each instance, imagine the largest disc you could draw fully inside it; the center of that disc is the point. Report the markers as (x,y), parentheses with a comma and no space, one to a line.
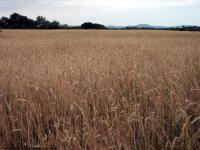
(107,90)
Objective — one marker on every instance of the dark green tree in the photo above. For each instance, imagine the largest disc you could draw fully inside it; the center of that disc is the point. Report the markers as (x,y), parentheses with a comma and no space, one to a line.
(43,23)
(55,25)
(18,21)
(4,22)
(89,25)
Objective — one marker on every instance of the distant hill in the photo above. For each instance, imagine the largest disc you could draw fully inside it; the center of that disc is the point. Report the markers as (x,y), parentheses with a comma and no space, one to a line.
(140,26)
(147,26)
(144,26)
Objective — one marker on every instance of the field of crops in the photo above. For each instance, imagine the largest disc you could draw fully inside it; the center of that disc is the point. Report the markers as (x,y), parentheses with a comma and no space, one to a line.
(75,89)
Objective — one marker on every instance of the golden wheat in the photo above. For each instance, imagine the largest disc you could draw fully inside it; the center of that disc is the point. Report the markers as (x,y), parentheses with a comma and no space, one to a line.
(100,89)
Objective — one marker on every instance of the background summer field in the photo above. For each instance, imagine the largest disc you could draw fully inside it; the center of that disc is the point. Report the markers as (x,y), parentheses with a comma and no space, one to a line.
(75,89)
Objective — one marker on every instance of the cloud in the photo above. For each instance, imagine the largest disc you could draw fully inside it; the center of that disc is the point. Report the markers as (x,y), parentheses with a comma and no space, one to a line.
(105,11)
(96,3)
(139,4)
(114,3)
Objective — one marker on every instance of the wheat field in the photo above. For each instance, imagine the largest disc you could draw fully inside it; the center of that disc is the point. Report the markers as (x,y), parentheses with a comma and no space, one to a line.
(100,90)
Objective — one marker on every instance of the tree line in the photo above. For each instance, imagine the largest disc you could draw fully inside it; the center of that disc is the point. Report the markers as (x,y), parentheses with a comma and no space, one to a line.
(17,21)
(181,28)
(187,28)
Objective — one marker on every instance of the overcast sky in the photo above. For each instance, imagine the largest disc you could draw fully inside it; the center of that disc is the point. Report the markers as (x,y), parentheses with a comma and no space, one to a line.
(108,12)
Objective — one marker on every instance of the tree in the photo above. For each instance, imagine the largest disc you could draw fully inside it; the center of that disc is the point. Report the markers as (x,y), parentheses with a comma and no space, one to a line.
(1,24)
(40,19)
(18,21)
(89,25)
(43,23)
(64,26)
(4,22)
(55,25)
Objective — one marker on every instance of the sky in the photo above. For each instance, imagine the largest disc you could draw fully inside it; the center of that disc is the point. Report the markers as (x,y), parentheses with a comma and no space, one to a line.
(108,12)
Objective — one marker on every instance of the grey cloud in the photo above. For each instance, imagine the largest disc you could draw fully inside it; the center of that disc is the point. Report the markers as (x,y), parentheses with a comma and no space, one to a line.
(76,11)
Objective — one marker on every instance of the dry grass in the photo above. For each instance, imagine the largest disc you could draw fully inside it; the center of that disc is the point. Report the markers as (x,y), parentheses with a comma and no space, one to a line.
(104,90)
